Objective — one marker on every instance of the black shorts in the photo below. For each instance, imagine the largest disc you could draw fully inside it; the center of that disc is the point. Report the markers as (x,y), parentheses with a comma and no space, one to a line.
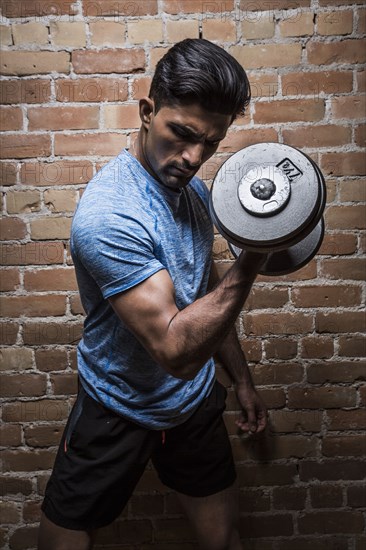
(102,457)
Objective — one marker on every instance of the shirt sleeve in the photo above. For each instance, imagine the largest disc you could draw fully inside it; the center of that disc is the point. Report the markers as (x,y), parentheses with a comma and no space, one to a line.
(117,250)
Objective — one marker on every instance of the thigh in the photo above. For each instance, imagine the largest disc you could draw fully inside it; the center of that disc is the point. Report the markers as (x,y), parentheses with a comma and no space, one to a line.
(196,458)
(99,462)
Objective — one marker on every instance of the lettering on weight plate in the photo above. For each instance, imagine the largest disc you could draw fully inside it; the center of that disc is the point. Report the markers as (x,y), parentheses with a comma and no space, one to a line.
(290,169)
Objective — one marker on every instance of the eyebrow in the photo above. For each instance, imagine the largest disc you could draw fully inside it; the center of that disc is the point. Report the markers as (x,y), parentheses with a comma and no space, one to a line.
(193,133)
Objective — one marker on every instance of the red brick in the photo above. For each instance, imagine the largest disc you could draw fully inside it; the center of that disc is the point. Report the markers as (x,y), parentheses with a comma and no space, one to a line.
(331,470)
(43,436)
(318,136)
(266,473)
(346,217)
(9,280)
(8,333)
(147,505)
(360,135)
(356,496)
(193,6)
(122,61)
(41,410)
(270,374)
(326,496)
(23,385)
(11,118)
(348,107)
(278,348)
(339,243)
(267,55)
(334,371)
(63,118)
(103,144)
(343,164)
(338,2)
(51,333)
(296,421)
(51,359)
(140,87)
(34,253)
(21,63)
(326,296)
(343,51)
(27,460)
(239,139)
(33,306)
(67,172)
(8,173)
(346,445)
(262,298)
(12,229)
(331,397)
(64,384)
(278,323)
(289,110)
(331,522)
(276,526)
(135,8)
(263,5)
(37,8)
(352,346)
(25,91)
(122,116)
(347,420)
(361,81)
(10,435)
(50,279)
(91,90)
(16,359)
(76,305)
(314,83)
(18,146)
(345,321)
(263,85)
(15,485)
(32,511)
(344,268)
(317,347)
(289,498)
(252,500)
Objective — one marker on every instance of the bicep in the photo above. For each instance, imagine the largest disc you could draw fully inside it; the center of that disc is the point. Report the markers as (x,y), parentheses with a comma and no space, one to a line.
(147,310)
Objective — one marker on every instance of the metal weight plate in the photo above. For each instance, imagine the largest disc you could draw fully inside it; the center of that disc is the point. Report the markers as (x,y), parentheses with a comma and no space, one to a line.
(294,257)
(249,180)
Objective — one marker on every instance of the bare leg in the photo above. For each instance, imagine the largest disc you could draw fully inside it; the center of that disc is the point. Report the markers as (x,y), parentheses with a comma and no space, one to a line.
(53,537)
(214,519)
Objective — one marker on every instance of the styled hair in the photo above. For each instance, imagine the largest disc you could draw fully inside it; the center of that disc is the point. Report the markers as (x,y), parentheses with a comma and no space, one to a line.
(197,71)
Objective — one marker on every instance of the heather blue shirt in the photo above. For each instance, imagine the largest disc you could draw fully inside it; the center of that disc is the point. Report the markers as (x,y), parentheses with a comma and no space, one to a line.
(127,227)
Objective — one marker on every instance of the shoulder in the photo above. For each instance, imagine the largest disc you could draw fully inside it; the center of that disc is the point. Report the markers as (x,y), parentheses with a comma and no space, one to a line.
(198,187)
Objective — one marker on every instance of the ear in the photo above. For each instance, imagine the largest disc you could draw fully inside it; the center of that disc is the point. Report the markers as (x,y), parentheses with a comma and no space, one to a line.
(146,110)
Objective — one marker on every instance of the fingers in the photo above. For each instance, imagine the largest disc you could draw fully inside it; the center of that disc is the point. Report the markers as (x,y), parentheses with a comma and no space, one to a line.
(254,423)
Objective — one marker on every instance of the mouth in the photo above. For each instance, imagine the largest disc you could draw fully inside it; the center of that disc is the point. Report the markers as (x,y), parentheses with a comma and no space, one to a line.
(183,171)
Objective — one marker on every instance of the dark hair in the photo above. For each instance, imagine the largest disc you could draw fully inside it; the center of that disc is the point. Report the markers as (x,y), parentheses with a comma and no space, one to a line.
(197,71)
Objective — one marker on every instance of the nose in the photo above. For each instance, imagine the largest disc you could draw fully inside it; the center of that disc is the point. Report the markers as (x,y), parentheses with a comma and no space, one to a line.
(192,154)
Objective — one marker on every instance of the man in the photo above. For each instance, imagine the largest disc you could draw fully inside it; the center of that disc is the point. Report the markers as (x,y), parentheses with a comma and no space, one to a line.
(156,314)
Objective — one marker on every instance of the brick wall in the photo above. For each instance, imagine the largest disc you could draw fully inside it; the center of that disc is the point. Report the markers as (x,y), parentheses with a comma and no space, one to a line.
(72,75)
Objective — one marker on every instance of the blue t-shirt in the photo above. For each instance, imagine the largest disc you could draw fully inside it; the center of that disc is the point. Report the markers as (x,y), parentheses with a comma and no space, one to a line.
(127,227)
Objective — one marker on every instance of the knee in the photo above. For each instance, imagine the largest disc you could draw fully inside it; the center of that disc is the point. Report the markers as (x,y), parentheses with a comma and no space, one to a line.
(221,539)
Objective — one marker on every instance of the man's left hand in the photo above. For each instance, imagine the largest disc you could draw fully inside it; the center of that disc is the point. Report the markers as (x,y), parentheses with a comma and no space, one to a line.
(253,420)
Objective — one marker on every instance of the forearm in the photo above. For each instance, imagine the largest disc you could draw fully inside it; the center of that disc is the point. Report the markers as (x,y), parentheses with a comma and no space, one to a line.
(198,331)
(232,357)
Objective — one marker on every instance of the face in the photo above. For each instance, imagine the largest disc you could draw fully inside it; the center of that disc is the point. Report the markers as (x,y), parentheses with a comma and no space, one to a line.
(176,141)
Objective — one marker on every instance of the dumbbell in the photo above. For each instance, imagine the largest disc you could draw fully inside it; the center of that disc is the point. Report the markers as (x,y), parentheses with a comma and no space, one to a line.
(270,198)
